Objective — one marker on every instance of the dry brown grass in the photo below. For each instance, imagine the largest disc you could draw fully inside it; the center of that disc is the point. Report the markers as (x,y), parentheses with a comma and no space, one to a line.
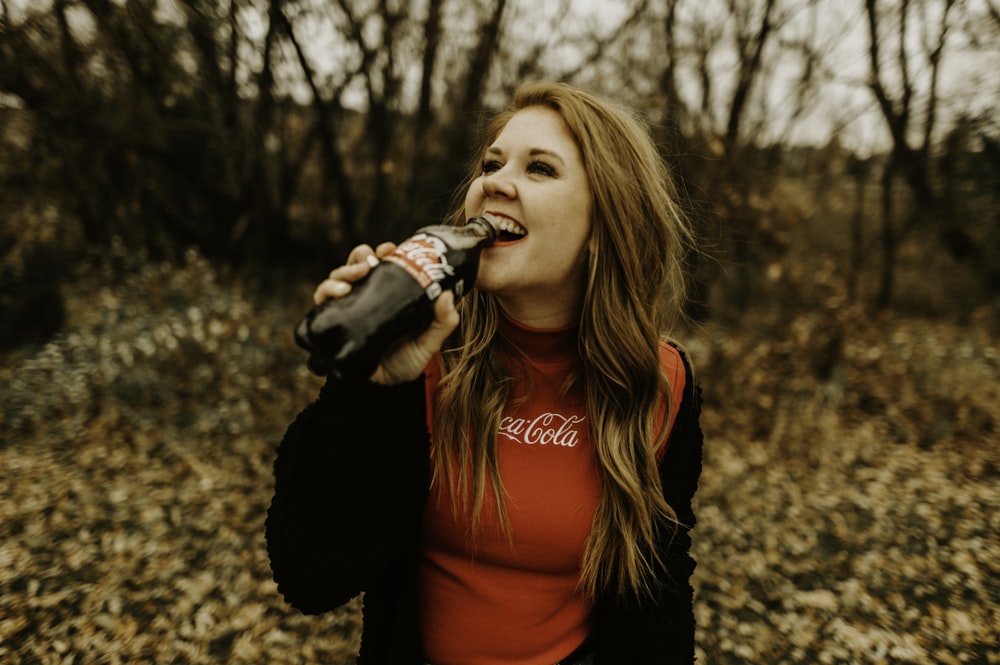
(848,506)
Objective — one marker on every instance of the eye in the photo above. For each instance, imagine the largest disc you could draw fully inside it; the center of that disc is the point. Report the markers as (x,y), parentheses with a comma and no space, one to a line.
(491,165)
(541,168)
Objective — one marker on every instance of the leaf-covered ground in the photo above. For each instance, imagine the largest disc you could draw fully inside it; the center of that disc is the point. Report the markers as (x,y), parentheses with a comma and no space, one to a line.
(849,510)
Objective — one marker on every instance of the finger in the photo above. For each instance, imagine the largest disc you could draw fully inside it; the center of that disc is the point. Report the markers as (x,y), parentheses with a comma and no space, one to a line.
(409,360)
(446,319)
(384,249)
(338,284)
(352,272)
(360,254)
(329,289)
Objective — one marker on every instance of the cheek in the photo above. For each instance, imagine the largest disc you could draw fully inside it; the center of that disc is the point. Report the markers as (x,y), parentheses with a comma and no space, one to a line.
(473,197)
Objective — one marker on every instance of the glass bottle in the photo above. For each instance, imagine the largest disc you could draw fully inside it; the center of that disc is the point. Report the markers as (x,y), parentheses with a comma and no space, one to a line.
(347,337)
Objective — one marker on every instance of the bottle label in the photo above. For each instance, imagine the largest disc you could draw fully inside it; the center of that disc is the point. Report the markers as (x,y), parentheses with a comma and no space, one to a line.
(425,258)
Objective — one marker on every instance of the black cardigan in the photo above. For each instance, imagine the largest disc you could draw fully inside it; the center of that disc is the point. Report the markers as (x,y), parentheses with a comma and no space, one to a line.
(351,481)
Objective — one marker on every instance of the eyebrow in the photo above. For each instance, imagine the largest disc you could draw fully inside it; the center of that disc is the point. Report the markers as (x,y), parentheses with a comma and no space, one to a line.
(534,152)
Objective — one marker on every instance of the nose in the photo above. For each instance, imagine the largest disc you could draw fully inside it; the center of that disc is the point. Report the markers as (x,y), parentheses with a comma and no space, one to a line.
(498,184)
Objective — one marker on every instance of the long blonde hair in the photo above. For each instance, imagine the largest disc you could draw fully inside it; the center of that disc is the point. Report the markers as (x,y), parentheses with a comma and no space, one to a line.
(635,280)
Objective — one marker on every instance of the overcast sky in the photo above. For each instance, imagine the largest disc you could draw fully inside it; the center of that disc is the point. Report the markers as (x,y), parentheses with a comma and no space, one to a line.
(970,80)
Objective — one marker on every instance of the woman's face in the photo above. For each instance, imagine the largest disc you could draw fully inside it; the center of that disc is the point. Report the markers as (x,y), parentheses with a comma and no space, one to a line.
(533,180)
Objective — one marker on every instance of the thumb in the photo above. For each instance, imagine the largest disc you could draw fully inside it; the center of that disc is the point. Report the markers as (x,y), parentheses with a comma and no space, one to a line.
(410,358)
(445,321)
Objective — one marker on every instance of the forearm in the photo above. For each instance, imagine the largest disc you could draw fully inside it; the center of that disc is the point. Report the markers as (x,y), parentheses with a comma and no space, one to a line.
(351,479)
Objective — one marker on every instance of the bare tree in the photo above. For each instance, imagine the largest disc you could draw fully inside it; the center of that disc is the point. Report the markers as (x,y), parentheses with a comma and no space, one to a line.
(244,140)
(728,69)
(751,38)
(912,128)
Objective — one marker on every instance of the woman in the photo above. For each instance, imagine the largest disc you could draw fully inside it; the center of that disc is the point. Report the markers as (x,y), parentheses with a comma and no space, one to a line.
(544,519)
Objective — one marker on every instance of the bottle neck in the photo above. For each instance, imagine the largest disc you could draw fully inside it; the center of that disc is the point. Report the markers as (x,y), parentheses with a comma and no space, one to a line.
(481,227)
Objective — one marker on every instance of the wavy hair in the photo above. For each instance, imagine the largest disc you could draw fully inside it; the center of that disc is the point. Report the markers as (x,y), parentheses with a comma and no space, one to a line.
(634,292)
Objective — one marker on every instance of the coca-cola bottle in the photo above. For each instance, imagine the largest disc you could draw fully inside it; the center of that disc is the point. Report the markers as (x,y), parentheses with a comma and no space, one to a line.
(347,337)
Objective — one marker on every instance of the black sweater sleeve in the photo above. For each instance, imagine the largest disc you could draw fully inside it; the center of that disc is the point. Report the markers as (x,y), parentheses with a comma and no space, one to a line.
(679,473)
(351,481)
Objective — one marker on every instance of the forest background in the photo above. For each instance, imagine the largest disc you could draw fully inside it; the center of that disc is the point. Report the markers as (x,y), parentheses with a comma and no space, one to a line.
(176,175)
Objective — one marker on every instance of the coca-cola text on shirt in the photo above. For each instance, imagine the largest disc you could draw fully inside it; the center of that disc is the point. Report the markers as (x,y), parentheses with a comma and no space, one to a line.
(547,429)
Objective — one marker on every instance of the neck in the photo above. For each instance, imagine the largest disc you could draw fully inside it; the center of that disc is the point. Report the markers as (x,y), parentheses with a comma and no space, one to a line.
(541,315)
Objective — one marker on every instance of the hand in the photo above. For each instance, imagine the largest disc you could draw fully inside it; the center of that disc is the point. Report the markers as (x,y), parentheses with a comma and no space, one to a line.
(407,361)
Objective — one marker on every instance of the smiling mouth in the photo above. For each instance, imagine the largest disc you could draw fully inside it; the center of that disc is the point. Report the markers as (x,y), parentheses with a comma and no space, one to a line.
(510,231)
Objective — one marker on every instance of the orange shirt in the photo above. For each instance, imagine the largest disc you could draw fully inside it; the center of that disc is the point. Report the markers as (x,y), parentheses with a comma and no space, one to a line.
(495,602)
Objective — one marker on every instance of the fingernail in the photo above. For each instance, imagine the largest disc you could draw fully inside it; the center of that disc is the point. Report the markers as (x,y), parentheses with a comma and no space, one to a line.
(372,261)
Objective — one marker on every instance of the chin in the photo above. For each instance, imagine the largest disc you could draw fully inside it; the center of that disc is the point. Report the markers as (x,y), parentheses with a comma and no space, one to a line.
(486,285)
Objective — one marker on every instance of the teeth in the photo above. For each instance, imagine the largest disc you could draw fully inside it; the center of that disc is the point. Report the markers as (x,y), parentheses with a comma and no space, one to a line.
(510,226)
(504,224)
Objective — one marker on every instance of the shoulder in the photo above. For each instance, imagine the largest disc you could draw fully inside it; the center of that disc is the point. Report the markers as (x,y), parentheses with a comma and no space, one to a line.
(680,398)
(675,367)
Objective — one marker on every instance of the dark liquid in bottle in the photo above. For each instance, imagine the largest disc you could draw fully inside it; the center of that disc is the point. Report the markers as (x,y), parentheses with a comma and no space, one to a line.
(348,337)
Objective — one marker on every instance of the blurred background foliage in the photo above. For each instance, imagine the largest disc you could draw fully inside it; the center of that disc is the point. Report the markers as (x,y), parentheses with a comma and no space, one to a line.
(278,134)
(175,175)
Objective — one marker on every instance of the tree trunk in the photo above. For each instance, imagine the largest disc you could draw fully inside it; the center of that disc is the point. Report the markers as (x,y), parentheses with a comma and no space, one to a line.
(856,259)
(888,240)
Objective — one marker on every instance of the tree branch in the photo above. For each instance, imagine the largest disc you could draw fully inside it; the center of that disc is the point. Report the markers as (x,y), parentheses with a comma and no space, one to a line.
(331,155)
(749,67)
(599,46)
(894,120)
(934,57)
